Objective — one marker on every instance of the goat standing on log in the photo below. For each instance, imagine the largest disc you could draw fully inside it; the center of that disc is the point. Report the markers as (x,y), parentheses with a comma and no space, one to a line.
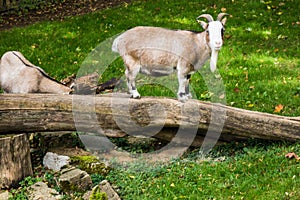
(157,51)
(18,75)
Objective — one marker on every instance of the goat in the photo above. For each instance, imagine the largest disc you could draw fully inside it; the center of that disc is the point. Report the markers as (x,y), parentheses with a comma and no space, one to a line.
(18,75)
(158,51)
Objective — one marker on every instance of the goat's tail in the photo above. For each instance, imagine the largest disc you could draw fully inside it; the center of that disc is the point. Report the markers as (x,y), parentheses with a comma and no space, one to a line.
(114,47)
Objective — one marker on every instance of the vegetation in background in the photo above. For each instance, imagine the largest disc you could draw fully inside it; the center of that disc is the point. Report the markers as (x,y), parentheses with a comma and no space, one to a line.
(259,62)
(260,67)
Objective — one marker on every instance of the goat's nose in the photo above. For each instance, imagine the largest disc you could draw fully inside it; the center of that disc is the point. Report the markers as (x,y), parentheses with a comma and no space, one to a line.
(218,43)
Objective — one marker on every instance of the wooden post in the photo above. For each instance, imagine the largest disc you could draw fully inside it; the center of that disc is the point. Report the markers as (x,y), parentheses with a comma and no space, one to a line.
(15,162)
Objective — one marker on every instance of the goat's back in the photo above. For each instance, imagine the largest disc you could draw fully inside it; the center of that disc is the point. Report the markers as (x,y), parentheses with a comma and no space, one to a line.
(15,76)
(18,75)
(155,38)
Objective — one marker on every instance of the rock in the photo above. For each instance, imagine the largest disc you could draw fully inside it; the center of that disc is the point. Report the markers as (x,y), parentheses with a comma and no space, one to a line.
(74,180)
(90,164)
(41,191)
(87,195)
(102,191)
(54,161)
(97,194)
(4,195)
(107,188)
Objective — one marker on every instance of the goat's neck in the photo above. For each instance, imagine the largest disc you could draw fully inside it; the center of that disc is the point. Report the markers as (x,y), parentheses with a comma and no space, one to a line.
(204,51)
(213,54)
(213,60)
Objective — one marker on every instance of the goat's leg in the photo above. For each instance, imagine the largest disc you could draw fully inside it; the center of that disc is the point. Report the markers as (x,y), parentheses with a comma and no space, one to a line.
(183,87)
(132,69)
(183,78)
(187,87)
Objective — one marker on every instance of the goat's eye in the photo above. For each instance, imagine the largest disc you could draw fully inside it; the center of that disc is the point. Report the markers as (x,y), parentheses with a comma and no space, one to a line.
(222,31)
(207,32)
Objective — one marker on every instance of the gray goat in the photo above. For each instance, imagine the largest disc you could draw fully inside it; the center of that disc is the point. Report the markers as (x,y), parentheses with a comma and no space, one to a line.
(158,51)
(18,75)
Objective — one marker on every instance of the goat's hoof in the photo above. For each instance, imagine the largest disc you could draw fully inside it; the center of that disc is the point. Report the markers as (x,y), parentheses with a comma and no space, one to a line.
(135,95)
(183,99)
(189,96)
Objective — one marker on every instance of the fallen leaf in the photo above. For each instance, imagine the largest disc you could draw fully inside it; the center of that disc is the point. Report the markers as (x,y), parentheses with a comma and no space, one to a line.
(246,75)
(222,96)
(292,155)
(279,13)
(236,90)
(250,105)
(278,108)
(223,10)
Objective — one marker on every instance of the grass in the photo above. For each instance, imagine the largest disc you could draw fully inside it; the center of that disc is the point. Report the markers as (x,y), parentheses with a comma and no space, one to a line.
(260,68)
(257,171)
(259,63)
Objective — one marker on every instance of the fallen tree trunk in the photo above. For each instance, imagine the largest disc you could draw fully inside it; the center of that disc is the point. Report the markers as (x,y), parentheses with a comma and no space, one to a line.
(45,112)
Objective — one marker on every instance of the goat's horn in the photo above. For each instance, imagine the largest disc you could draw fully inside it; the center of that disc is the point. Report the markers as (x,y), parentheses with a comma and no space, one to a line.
(207,16)
(221,15)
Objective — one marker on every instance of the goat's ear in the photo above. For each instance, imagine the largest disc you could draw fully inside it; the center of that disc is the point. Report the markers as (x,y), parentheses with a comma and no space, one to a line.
(203,24)
(224,21)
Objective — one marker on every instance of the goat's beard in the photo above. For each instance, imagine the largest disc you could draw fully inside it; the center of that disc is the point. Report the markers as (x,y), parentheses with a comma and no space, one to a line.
(213,60)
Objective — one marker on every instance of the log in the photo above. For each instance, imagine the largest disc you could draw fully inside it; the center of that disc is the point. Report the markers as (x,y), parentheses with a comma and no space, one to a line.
(48,112)
(15,162)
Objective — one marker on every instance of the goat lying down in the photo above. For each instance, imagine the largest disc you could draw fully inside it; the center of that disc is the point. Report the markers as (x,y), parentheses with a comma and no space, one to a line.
(157,51)
(18,75)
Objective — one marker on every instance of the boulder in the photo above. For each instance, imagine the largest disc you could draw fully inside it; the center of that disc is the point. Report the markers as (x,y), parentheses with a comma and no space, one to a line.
(110,192)
(54,161)
(74,180)
(41,191)
(4,195)
(101,192)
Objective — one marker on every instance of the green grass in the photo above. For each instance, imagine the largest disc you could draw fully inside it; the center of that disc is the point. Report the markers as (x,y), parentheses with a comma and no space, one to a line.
(259,62)
(257,171)
(261,42)
(260,68)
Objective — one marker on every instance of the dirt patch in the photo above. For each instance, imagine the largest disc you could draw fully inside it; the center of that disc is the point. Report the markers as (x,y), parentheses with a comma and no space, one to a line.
(54,11)
(69,151)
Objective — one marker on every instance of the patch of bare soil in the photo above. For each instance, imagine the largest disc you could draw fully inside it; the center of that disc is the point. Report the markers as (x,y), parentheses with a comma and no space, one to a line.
(54,11)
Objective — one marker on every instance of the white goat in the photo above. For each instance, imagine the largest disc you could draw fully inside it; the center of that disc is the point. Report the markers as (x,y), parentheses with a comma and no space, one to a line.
(18,75)
(157,51)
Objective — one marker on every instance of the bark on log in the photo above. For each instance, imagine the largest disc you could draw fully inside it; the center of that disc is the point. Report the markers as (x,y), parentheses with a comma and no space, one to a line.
(46,112)
(15,162)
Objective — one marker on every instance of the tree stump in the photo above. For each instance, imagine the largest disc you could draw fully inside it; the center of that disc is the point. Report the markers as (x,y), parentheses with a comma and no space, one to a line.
(15,161)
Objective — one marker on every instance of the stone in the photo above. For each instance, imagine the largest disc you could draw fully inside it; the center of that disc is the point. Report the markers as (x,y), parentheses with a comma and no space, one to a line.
(97,194)
(55,162)
(86,195)
(4,195)
(104,191)
(75,180)
(107,188)
(41,191)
